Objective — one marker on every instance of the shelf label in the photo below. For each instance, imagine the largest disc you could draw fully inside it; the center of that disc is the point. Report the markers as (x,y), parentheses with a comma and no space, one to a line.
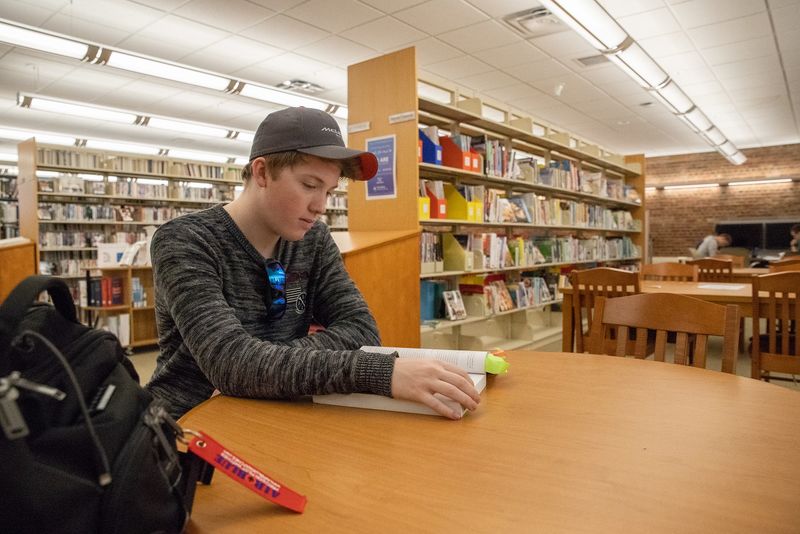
(402,117)
(358,127)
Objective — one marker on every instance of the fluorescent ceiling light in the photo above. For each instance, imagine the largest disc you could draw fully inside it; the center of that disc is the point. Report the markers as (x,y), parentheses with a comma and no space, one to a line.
(279,97)
(675,97)
(79,110)
(691,186)
(341,112)
(714,136)
(763,182)
(738,158)
(590,20)
(698,119)
(247,137)
(186,127)
(241,161)
(21,135)
(98,144)
(17,35)
(7,156)
(649,189)
(202,156)
(647,70)
(167,71)
(727,148)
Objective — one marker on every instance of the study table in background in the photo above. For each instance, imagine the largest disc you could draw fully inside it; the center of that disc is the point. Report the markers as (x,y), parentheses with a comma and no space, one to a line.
(562,443)
(744,275)
(739,294)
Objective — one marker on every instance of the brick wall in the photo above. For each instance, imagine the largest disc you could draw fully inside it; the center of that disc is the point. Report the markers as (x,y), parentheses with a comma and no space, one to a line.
(680,218)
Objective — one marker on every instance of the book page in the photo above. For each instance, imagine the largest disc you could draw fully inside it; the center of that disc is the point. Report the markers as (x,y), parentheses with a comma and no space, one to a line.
(472,361)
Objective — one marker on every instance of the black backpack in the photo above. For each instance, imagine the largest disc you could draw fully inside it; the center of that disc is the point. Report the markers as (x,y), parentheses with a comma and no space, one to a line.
(83,447)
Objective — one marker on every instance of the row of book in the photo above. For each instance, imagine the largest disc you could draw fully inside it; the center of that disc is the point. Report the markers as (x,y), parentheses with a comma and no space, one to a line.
(335,220)
(484,295)
(336,202)
(68,212)
(8,186)
(145,188)
(100,291)
(488,250)
(484,204)
(9,212)
(103,162)
(85,239)
(118,324)
(139,294)
(65,264)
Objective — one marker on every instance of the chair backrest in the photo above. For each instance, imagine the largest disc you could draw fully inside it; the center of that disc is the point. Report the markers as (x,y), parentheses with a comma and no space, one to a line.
(776,298)
(589,284)
(680,272)
(666,313)
(713,269)
(786,264)
(738,261)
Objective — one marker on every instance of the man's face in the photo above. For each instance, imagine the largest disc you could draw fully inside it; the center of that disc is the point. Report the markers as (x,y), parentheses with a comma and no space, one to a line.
(297,197)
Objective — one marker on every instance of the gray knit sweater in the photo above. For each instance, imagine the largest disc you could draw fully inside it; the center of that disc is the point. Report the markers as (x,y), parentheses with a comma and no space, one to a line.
(212,295)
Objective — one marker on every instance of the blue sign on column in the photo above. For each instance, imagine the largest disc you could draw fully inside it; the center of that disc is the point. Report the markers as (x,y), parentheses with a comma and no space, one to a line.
(384,184)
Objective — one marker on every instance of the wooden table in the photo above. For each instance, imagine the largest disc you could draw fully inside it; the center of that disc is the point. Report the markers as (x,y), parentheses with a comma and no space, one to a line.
(744,275)
(739,294)
(563,443)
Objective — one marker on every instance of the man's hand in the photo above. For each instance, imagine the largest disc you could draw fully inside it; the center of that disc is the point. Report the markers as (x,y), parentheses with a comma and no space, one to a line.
(419,380)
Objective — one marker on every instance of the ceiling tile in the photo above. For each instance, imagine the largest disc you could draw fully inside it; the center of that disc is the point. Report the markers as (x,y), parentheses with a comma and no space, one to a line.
(650,23)
(667,44)
(157,48)
(385,33)
(337,51)
(510,55)
(171,30)
(488,80)
(701,89)
(432,50)
(744,82)
(623,8)
(36,68)
(333,15)
(284,32)
(137,95)
(104,34)
(460,67)
(231,54)
(390,6)
(231,15)
(492,34)
(704,12)
(732,52)
(277,5)
(751,67)
(540,69)
(742,29)
(26,13)
(85,86)
(332,78)
(690,76)
(438,16)
(511,92)
(786,18)
(742,96)
(501,8)
(607,73)
(681,62)
(278,69)
(162,5)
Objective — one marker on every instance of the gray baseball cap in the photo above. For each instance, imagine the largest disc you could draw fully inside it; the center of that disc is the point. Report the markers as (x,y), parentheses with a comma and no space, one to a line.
(310,131)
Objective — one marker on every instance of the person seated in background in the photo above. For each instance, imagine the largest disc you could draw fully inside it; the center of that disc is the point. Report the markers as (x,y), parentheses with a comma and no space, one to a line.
(794,244)
(711,244)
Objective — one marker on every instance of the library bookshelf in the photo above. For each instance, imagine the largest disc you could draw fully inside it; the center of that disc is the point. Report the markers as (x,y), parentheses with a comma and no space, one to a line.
(9,225)
(387,98)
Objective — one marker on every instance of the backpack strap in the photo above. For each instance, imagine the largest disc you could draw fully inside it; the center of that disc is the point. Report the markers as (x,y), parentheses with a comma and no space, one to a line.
(24,295)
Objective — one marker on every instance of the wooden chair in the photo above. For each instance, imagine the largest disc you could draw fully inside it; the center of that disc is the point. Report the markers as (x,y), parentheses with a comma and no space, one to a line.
(776,298)
(784,265)
(738,261)
(589,284)
(713,270)
(680,272)
(666,313)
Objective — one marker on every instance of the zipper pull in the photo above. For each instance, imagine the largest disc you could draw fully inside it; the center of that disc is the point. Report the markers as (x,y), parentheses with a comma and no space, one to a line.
(11,419)
(42,389)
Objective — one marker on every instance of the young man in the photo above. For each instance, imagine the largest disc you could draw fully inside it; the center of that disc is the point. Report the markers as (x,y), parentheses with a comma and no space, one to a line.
(711,244)
(237,287)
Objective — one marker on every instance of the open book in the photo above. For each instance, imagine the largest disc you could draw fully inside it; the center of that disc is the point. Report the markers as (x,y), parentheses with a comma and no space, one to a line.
(474,362)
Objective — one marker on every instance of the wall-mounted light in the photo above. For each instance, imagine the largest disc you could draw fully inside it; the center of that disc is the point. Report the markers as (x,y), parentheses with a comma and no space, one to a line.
(690,186)
(592,22)
(762,182)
